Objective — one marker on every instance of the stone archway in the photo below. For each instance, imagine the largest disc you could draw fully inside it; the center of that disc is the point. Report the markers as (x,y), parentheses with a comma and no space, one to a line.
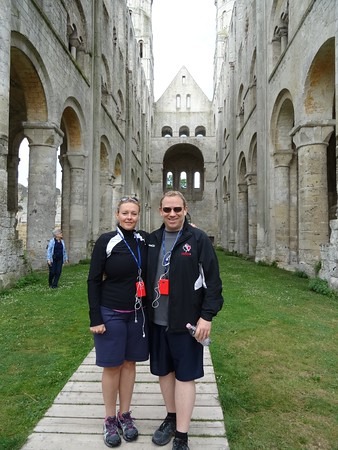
(285,181)
(28,117)
(72,160)
(242,207)
(183,170)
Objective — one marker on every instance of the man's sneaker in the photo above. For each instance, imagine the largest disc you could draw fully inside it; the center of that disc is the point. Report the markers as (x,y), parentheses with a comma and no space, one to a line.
(178,444)
(126,425)
(165,432)
(111,435)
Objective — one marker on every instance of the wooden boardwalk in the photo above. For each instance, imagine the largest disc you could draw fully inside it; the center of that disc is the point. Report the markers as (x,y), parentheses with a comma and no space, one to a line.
(74,421)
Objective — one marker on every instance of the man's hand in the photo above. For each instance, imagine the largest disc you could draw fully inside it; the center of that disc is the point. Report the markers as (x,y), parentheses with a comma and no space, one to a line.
(203,328)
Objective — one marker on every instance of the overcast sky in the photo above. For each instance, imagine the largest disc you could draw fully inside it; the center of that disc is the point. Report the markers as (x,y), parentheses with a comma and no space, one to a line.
(184,34)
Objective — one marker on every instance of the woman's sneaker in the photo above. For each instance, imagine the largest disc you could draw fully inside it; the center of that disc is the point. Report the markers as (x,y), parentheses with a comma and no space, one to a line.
(165,432)
(126,425)
(111,435)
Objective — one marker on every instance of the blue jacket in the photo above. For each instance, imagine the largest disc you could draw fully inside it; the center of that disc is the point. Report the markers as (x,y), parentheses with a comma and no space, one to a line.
(50,250)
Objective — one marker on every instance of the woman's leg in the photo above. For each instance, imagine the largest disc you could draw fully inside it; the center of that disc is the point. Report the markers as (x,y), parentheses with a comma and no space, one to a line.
(110,386)
(126,386)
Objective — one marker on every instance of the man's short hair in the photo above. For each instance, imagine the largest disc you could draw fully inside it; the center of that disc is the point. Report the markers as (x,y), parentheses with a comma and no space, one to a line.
(173,194)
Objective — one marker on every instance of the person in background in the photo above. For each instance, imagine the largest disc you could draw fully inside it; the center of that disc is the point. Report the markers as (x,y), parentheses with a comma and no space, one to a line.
(116,293)
(184,287)
(56,257)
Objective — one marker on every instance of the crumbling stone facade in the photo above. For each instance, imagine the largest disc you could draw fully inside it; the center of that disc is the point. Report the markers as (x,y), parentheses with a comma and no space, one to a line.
(71,77)
(257,162)
(275,113)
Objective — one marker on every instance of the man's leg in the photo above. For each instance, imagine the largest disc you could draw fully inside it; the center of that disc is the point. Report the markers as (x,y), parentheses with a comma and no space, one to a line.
(166,431)
(167,385)
(185,394)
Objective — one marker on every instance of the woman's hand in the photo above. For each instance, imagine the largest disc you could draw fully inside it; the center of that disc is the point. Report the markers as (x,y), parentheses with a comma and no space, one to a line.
(98,329)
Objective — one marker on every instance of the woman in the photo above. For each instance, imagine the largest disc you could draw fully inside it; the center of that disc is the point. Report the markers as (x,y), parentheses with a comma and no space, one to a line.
(117,318)
(56,257)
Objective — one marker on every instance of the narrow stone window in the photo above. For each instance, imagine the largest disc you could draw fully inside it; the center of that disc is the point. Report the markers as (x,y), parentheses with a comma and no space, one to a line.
(188,101)
(183,180)
(197,180)
(178,101)
(169,181)
(184,131)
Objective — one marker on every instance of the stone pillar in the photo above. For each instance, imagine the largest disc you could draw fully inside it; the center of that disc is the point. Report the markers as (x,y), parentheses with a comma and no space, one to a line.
(251,179)
(242,222)
(44,140)
(106,202)
(77,240)
(282,205)
(225,224)
(311,141)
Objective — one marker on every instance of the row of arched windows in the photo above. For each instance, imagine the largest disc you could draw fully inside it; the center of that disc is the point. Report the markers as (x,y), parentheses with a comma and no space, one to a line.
(184,131)
(182,181)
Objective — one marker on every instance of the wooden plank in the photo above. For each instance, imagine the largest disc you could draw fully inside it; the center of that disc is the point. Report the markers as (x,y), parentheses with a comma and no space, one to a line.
(43,441)
(88,386)
(150,412)
(145,377)
(145,426)
(141,398)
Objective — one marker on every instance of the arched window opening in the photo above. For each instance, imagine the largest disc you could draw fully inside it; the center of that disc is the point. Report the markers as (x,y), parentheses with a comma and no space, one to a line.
(183,79)
(170,180)
(200,131)
(188,101)
(183,180)
(140,49)
(167,131)
(178,101)
(183,169)
(197,180)
(184,131)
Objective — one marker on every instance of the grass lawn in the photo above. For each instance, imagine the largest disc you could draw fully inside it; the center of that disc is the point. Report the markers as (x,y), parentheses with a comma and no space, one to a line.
(275,355)
(44,337)
(274,349)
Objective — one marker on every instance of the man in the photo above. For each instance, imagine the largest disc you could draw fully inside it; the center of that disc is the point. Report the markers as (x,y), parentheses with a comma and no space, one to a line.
(184,287)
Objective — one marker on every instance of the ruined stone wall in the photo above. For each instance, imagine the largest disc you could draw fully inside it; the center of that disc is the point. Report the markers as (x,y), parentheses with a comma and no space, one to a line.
(72,77)
(276,131)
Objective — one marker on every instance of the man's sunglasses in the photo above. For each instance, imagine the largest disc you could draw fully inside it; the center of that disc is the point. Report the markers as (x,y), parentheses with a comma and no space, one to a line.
(176,209)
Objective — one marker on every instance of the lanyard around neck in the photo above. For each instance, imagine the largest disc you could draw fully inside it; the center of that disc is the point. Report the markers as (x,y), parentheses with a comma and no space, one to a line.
(137,258)
(167,255)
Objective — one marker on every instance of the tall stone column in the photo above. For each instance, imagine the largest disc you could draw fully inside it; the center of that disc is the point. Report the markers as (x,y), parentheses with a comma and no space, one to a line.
(251,179)
(44,140)
(224,226)
(106,201)
(242,222)
(282,160)
(77,246)
(311,141)
(11,252)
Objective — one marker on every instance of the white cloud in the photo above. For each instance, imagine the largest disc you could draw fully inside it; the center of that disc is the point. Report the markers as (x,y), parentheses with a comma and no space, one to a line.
(183,35)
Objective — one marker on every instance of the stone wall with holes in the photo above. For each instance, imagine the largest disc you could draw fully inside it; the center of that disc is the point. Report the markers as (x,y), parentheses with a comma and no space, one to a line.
(276,128)
(71,78)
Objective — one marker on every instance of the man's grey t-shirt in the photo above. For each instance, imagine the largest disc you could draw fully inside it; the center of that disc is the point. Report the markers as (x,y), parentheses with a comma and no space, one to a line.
(162,304)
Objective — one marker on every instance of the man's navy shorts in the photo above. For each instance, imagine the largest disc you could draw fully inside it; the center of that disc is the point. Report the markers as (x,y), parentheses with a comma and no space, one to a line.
(123,339)
(175,352)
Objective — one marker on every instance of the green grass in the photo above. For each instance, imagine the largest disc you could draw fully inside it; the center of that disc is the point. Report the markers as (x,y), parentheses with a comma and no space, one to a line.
(275,355)
(274,349)
(44,336)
